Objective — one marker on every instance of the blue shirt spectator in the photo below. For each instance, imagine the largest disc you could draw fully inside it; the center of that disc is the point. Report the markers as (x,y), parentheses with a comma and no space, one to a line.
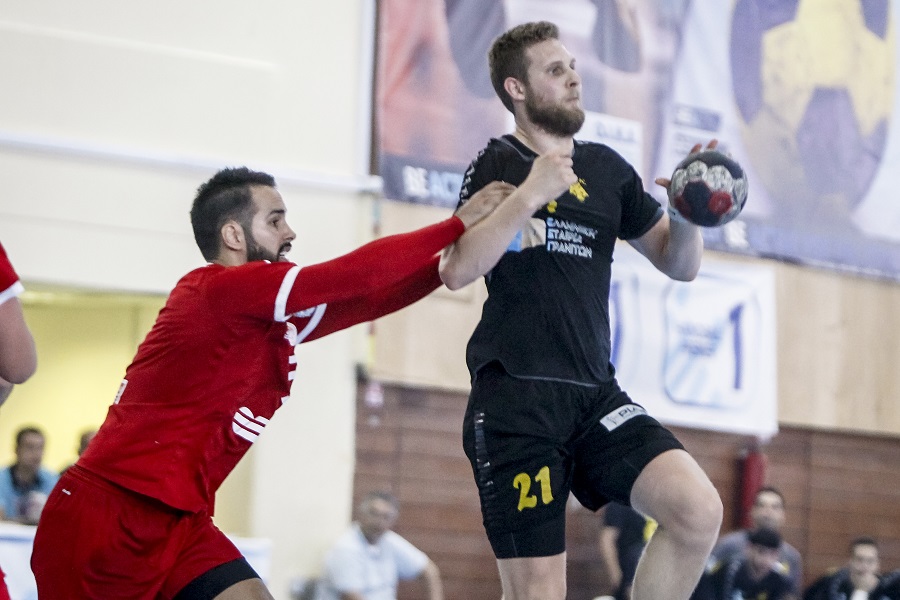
(25,485)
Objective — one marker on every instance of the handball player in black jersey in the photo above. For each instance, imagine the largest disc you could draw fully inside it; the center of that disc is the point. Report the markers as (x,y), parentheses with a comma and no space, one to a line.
(546,416)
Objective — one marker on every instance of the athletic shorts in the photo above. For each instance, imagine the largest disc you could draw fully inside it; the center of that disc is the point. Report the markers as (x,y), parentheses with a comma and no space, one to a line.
(96,540)
(531,442)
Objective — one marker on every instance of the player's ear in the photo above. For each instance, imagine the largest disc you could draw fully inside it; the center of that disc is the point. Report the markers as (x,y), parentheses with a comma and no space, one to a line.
(232,234)
(515,88)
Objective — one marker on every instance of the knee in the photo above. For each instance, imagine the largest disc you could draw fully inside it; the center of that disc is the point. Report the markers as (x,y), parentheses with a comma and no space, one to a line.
(709,517)
(699,517)
(541,581)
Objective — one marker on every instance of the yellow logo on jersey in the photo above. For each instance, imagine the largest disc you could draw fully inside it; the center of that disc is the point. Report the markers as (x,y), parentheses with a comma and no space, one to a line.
(576,189)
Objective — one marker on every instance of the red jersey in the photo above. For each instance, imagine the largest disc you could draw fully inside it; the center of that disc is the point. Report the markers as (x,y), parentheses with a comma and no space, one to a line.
(219,361)
(10,287)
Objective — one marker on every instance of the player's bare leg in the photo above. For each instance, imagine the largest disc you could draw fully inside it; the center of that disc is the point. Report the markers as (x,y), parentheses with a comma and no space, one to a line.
(539,578)
(674,490)
(249,589)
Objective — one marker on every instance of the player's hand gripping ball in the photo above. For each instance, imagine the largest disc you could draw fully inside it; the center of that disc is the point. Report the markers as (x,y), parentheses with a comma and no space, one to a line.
(708,188)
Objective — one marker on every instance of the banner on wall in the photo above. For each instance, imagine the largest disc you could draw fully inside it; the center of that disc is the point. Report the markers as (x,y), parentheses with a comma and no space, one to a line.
(701,353)
(801,92)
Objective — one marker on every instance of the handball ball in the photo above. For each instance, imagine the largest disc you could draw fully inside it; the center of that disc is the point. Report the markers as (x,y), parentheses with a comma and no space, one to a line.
(708,188)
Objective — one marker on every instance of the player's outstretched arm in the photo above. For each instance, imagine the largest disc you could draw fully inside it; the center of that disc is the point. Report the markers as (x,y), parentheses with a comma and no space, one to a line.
(18,358)
(481,246)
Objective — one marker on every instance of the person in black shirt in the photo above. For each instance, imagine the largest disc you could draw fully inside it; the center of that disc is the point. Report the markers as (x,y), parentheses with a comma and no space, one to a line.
(545,414)
(624,534)
(756,575)
(860,579)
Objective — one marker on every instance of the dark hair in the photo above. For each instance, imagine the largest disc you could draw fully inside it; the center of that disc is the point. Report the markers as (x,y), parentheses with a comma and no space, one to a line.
(770,490)
(863,541)
(25,431)
(224,197)
(506,57)
(381,495)
(767,538)
(85,439)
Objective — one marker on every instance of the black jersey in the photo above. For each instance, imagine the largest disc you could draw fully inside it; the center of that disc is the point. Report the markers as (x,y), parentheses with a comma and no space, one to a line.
(732,581)
(838,586)
(547,312)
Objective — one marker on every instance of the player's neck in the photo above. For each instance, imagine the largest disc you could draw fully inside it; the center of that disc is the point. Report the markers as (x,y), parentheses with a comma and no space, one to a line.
(230,258)
(540,140)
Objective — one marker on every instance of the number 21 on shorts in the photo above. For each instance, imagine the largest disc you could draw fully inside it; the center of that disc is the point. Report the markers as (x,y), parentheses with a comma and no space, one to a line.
(522,482)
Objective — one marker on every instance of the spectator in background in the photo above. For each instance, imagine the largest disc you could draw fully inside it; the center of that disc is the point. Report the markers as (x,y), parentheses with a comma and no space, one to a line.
(623,537)
(859,580)
(767,512)
(25,485)
(86,436)
(752,575)
(368,560)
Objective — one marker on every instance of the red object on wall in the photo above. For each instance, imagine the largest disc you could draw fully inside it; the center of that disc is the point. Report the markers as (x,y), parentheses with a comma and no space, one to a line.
(753,477)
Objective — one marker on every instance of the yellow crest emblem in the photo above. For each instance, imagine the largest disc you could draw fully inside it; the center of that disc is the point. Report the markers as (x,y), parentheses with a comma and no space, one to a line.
(576,189)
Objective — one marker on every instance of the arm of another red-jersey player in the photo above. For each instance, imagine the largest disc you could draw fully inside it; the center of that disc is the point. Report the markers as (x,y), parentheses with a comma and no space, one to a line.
(384,301)
(18,358)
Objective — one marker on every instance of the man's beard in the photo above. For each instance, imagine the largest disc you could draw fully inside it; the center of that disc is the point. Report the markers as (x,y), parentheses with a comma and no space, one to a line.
(556,120)
(256,251)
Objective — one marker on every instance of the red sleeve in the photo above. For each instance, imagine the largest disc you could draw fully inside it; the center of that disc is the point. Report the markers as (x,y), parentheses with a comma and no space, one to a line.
(340,315)
(9,281)
(279,290)
(372,269)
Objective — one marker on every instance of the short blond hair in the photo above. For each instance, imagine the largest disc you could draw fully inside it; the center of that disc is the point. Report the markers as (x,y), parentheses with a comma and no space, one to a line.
(506,57)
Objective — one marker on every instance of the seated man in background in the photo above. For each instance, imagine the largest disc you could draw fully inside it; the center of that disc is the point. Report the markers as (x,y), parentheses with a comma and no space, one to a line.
(754,574)
(25,485)
(767,512)
(368,560)
(859,580)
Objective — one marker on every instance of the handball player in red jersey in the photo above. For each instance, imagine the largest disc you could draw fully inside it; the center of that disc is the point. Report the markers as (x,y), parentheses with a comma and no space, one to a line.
(18,358)
(132,518)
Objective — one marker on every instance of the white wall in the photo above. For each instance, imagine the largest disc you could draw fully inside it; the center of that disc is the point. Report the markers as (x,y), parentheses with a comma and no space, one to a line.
(111,115)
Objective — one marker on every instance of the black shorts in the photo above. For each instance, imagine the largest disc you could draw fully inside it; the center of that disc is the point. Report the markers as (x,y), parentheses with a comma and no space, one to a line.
(532,441)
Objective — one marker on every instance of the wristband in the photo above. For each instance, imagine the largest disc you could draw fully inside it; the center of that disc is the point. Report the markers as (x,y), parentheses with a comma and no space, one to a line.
(674,215)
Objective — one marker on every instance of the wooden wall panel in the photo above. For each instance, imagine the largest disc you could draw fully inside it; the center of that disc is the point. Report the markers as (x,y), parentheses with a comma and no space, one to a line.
(836,485)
